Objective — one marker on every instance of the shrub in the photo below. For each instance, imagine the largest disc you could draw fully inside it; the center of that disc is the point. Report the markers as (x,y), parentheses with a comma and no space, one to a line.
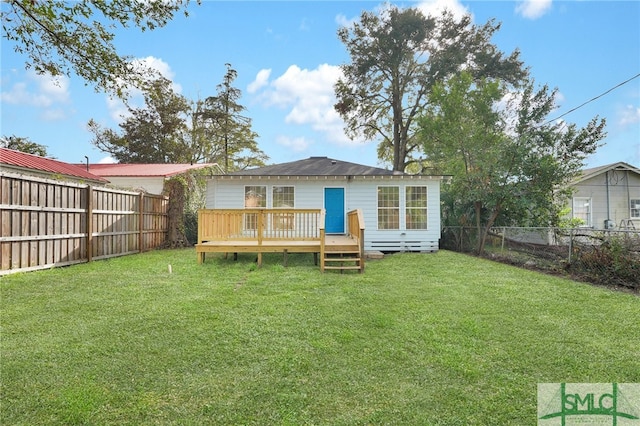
(613,262)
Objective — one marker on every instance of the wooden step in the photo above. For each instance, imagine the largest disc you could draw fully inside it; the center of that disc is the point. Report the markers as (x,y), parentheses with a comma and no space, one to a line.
(342,268)
(351,252)
(342,259)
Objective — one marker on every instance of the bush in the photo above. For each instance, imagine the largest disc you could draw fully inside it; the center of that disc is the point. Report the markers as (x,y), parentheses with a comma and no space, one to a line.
(613,262)
(191,226)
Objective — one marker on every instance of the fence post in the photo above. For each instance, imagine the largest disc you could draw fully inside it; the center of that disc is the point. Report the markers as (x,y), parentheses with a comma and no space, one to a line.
(504,233)
(570,244)
(89,223)
(141,222)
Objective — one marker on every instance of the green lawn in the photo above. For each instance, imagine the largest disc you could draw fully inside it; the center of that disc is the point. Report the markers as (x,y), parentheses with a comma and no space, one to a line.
(418,339)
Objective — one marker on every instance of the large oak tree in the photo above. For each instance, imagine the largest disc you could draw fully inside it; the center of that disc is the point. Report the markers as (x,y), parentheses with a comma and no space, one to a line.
(396,58)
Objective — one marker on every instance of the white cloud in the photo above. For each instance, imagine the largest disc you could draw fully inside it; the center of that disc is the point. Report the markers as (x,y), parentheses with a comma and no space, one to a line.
(533,9)
(629,115)
(262,79)
(308,95)
(53,114)
(47,91)
(40,91)
(55,88)
(436,7)
(293,144)
(154,67)
(107,160)
(117,109)
(343,21)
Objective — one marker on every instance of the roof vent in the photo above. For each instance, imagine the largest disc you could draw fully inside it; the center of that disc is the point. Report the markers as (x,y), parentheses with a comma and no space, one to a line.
(333,162)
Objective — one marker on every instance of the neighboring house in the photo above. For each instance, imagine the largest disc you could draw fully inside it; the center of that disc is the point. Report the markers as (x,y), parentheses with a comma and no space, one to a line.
(401,211)
(146,177)
(34,165)
(608,197)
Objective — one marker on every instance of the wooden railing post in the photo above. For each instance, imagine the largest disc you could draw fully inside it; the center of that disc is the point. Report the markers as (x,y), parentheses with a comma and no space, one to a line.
(322,235)
(361,239)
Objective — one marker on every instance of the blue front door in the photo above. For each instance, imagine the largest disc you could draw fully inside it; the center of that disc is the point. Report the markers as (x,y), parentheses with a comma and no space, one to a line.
(334,207)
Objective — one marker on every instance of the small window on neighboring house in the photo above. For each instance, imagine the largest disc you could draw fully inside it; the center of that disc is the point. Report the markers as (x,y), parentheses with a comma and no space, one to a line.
(254,197)
(416,204)
(635,208)
(388,207)
(582,209)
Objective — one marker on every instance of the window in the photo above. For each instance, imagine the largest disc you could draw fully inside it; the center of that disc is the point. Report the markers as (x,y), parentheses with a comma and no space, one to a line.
(416,204)
(635,209)
(388,207)
(254,197)
(582,209)
(283,197)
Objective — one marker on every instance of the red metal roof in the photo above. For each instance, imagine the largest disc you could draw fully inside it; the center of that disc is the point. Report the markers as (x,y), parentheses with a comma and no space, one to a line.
(23,160)
(144,170)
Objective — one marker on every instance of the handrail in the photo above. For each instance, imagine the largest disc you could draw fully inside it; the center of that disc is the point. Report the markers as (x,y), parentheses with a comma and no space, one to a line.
(322,238)
(356,227)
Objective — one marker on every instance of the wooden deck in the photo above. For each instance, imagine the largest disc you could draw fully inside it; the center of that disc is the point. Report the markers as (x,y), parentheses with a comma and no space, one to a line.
(281,231)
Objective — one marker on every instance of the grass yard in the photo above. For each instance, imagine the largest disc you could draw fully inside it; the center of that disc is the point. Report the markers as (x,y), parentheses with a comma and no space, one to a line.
(418,339)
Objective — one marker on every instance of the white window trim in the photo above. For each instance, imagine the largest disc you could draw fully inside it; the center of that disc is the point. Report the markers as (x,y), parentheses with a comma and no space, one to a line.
(401,225)
(406,208)
(273,187)
(589,200)
(634,204)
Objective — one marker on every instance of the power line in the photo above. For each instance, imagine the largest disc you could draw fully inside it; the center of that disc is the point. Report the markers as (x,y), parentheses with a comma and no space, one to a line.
(593,99)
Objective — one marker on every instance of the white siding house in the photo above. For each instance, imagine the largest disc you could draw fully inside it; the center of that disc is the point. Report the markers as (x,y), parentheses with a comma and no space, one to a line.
(401,211)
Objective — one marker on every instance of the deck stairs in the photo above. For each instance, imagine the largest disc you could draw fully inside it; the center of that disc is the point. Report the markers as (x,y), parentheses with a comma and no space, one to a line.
(343,254)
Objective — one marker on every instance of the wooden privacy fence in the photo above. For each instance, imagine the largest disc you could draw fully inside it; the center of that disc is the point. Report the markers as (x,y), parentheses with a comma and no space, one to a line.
(46,223)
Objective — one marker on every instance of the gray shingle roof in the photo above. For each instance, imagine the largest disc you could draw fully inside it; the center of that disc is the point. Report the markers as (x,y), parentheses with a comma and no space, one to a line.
(317,166)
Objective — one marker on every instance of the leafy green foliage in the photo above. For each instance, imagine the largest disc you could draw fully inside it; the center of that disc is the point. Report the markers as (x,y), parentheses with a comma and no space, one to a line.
(60,37)
(172,129)
(154,134)
(396,59)
(230,141)
(509,166)
(22,144)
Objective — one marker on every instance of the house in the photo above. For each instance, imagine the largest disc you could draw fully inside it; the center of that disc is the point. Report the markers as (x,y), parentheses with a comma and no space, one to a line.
(33,165)
(608,197)
(146,177)
(401,212)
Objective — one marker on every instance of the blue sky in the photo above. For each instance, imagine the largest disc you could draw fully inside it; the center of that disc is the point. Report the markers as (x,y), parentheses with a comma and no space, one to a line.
(287,56)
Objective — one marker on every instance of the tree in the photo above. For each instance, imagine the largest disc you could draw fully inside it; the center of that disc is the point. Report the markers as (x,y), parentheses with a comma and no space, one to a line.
(22,144)
(58,36)
(396,58)
(509,164)
(153,134)
(231,142)
(172,129)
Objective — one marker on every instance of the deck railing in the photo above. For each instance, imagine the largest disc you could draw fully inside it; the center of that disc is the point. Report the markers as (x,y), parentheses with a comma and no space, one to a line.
(355,227)
(260,224)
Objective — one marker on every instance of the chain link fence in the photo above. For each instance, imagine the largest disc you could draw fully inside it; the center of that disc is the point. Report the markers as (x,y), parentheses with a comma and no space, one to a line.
(607,257)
